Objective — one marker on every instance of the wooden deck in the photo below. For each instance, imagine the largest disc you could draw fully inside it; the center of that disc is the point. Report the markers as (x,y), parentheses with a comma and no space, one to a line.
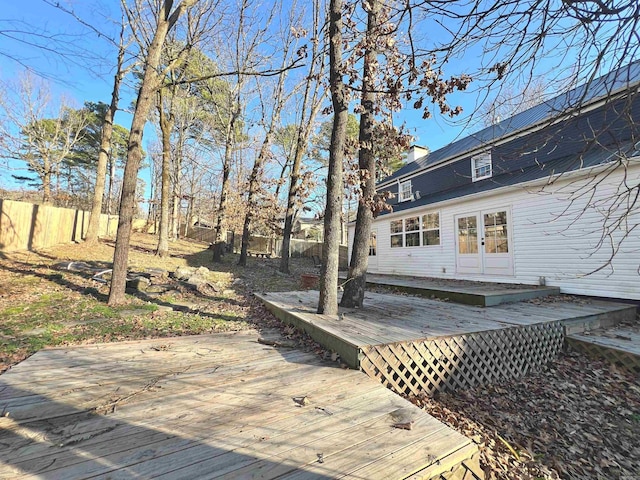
(215,406)
(415,345)
(388,318)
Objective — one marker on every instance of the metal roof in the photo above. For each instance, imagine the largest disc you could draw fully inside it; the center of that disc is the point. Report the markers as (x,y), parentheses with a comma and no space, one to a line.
(559,167)
(574,100)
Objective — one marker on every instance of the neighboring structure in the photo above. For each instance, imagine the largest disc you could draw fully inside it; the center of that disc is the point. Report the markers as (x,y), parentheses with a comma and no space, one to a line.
(549,195)
(308,229)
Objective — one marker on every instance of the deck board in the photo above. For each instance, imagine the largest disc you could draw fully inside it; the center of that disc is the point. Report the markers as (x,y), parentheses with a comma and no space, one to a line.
(230,413)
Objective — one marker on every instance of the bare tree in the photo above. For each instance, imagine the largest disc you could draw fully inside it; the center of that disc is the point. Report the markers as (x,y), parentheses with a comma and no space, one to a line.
(105,144)
(164,18)
(275,105)
(313,95)
(34,131)
(510,101)
(328,301)
(355,287)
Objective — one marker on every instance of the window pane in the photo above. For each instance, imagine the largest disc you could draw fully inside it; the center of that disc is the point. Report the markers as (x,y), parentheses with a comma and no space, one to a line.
(462,242)
(430,220)
(489,219)
(495,232)
(431,237)
(396,241)
(502,240)
(467,235)
(412,239)
(412,224)
(396,226)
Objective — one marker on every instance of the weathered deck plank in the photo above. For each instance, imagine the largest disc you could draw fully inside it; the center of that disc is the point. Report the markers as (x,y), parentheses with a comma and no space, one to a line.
(232,412)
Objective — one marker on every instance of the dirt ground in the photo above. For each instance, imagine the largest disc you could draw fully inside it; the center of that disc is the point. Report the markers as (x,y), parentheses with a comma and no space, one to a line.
(577,419)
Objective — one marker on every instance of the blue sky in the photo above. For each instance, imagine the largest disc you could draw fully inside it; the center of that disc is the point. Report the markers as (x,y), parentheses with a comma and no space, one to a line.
(87,76)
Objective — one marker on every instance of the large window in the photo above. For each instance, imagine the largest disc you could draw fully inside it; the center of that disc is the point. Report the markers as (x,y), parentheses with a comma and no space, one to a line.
(405,191)
(420,230)
(481,166)
(431,229)
(397,234)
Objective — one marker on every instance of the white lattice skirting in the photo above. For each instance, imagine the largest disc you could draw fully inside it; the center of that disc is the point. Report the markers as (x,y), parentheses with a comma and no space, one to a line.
(463,361)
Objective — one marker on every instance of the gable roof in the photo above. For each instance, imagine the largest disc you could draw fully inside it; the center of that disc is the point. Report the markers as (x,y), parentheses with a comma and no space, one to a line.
(575,100)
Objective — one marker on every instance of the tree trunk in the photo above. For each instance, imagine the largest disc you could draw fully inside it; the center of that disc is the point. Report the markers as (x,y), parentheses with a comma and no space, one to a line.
(177,187)
(166,126)
(328,301)
(105,149)
(222,207)
(148,89)
(354,288)
(226,172)
(291,203)
(46,184)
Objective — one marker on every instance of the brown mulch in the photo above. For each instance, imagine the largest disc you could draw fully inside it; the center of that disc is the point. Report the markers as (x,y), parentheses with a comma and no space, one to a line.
(578,420)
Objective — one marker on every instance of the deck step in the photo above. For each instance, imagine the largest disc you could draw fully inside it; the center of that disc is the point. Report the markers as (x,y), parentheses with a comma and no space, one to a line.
(481,294)
(611,318)
(619,345)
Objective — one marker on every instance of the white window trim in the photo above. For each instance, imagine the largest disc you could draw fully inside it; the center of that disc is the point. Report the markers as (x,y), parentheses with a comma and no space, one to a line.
(481,157)
(401,197)
(403,234)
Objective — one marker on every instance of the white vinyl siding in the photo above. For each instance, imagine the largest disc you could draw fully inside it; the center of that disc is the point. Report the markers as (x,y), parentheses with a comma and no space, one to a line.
(546,241)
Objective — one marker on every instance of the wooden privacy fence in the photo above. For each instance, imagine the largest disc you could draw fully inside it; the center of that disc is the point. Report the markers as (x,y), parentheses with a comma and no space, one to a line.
(27,226)
(270,245)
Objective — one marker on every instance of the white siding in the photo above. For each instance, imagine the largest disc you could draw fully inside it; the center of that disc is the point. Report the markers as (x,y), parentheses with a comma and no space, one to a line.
(351,233)
(555,235)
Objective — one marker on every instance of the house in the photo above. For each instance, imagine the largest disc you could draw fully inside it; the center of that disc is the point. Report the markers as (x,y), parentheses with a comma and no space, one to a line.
(548,196)
(308,229)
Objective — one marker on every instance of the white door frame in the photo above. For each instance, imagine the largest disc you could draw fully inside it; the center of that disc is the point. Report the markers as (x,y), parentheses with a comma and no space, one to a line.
(477,261)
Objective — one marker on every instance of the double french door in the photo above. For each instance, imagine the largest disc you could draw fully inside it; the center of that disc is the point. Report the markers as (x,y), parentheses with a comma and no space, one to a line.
(483,243)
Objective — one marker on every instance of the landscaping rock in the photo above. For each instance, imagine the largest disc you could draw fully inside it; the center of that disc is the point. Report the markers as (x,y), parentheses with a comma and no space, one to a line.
(183,273)
(139,284)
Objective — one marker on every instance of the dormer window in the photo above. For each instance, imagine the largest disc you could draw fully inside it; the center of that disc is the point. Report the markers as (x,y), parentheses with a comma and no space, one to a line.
(405,191)
(481,166)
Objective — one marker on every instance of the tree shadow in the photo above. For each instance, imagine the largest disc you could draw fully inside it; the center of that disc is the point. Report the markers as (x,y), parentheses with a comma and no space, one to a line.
(52,439)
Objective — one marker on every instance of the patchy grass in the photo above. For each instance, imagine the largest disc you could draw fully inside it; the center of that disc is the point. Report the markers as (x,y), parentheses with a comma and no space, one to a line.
(44,304)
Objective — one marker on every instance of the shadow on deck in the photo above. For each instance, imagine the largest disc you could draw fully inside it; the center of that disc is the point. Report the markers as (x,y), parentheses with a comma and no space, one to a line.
(211,406)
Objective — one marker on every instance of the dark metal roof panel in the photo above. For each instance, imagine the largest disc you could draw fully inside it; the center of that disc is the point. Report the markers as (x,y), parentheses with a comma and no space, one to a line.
(623,78)
(564,165)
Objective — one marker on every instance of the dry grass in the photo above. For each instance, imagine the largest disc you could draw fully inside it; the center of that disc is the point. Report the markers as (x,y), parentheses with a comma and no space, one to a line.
(42,304)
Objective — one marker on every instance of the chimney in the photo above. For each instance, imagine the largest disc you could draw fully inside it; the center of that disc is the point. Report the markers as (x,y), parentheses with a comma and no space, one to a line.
(416,152)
